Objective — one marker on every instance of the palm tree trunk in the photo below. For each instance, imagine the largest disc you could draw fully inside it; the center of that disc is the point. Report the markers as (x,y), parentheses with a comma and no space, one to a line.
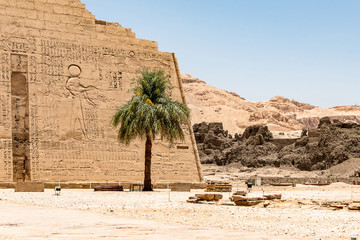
(147,172)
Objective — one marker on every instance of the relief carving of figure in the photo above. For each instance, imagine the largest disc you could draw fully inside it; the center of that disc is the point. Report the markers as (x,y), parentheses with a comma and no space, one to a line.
(81,96)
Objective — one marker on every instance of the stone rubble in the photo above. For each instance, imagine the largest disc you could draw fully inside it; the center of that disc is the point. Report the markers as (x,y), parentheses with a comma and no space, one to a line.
(205,198)
(332,143)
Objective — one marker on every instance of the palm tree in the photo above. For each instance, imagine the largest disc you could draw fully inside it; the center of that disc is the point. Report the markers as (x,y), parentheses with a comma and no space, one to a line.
(149,113)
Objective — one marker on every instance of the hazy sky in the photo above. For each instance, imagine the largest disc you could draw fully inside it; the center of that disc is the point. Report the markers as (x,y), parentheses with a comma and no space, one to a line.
(307,50)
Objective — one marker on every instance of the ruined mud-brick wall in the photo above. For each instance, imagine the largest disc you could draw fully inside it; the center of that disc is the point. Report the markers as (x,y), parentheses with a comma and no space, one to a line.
(63,74)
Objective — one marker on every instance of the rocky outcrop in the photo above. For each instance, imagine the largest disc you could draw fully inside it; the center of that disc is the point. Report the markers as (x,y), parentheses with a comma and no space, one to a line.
(252,148)
(330,144)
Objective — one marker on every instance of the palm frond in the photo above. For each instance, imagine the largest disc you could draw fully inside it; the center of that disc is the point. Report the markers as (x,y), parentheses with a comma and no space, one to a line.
(150,110)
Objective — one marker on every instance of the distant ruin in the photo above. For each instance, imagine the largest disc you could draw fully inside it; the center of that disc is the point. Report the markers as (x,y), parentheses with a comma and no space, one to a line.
(330,144)
(63,75)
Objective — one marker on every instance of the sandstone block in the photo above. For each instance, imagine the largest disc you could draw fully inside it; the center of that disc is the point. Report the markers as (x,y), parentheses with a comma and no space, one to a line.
(247,203)
(228,204)
(192,200)
(6,3)
(29,187)
(14,12)
(240,193)
(180,187)
(217,197)
(272,196)
(206,196)
(25,4)
(238,198)
(63,9)
(266,203)
(43,7)
(31,14)
(354,207)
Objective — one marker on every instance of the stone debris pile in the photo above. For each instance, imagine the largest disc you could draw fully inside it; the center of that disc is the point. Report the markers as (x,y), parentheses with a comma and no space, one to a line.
(330,144)
(240,199)
(338,205)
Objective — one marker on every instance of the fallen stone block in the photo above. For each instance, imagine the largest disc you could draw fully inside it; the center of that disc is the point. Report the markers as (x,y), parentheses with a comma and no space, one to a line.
(192,200)
(238,198)
(240,193)
(338,206)
(354,207)
(247,203)
(206,196)
(227,204)
(272,196)
(217,197)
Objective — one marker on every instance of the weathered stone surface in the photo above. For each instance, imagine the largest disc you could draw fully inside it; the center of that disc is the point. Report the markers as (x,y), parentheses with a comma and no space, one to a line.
(217,197)
(29,187)
(272,196)
(218,188)
(252,149)
(330,145)
(247,203)
(236,198)
(192,200)
(228,204)
(324,120)
(354,207)
(207,196)
(180,187)
(62,76)
(317,149)
(240,193)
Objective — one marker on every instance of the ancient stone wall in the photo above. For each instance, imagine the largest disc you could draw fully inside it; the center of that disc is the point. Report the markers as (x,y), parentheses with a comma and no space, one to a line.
(63,74)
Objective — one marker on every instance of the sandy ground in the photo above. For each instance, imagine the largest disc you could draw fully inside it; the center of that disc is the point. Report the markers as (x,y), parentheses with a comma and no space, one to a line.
(111,215)
(34,222)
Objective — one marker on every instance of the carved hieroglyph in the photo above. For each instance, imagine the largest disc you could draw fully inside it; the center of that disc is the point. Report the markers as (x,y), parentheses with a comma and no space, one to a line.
(63,74)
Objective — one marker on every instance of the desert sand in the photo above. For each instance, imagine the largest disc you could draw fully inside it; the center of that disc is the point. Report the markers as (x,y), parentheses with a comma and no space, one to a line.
(120,215)
(34,222)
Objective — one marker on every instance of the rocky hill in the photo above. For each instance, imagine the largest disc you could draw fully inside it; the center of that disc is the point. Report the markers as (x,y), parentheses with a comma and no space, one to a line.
(280,114)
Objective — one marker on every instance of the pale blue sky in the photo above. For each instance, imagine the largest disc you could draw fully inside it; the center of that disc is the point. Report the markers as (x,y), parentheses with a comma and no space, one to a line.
(307,50)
